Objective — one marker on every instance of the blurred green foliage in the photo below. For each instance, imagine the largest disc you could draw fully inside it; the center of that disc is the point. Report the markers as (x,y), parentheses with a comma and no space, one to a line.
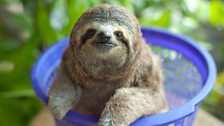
(27,27)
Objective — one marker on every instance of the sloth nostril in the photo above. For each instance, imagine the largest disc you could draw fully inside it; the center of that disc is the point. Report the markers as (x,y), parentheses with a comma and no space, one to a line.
(104,36)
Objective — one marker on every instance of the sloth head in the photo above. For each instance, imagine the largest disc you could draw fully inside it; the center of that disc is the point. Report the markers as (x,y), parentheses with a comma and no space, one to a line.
(105,40)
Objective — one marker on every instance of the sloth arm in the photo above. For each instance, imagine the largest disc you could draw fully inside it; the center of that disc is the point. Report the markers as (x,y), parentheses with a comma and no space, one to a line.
(145,98)
(129,104)
(63,94)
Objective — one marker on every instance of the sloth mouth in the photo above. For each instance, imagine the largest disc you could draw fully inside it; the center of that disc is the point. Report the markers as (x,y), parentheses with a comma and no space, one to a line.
(106,45)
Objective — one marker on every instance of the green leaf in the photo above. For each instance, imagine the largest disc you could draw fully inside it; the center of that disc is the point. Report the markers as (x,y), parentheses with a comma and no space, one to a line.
(217,12)
(23,59)
(8,1)
(8,44)
(18,111)
(43,24)
(74,10)
(163,20)
(94,2)
(17,93)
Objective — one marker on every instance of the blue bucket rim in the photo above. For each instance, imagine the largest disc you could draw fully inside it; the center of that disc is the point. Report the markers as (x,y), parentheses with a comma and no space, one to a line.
(158,119)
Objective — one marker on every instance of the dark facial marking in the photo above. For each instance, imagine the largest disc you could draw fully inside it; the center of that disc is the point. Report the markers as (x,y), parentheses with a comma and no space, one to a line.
(123,39)
(88,35)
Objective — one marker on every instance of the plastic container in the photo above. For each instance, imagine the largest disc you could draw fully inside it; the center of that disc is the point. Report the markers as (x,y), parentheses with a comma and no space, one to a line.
(189,72)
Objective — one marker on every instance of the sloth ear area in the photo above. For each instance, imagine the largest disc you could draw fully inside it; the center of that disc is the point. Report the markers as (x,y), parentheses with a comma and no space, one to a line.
(74,36)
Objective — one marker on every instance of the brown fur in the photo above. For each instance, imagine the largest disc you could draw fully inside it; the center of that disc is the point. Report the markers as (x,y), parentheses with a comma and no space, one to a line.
(119,93)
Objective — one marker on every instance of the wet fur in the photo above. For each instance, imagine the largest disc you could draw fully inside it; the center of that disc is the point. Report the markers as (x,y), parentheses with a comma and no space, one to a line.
(118,96)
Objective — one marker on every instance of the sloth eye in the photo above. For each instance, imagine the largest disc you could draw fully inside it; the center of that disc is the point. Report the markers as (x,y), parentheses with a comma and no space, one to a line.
(90,33)
(118,34)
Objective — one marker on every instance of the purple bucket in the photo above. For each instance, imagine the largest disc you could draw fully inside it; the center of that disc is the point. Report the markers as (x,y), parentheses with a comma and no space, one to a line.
(189,72)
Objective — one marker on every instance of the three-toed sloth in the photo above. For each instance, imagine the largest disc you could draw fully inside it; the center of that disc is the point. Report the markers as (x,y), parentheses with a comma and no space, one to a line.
(108,70)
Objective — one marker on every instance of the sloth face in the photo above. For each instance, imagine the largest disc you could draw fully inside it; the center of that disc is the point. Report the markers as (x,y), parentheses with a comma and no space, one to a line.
(104,46)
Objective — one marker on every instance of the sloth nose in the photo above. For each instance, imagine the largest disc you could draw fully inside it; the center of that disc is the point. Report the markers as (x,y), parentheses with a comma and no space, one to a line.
(104,36)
